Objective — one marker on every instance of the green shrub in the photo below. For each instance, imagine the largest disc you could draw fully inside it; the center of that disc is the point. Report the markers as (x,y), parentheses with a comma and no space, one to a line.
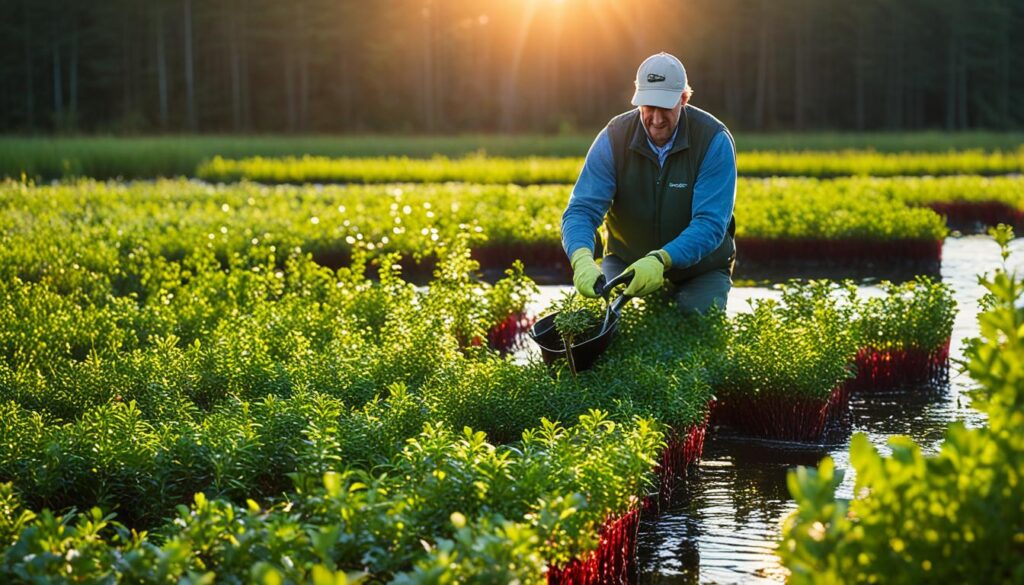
(916,314)
(799,347)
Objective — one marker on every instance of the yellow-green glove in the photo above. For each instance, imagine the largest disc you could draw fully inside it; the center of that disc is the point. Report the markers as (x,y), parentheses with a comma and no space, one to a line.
(584,272)
(648,273)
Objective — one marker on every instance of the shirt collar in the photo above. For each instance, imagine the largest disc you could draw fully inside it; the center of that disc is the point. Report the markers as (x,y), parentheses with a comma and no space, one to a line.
(660,149)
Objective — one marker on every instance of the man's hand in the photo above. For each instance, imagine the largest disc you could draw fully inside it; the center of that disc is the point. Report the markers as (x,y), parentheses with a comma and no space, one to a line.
(648,273)
(585,272)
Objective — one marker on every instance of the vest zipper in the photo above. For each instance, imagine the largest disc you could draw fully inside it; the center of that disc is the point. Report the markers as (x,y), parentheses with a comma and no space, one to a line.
(658,192)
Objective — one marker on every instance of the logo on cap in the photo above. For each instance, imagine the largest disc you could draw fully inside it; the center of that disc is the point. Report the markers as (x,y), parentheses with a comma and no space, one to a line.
(654,77)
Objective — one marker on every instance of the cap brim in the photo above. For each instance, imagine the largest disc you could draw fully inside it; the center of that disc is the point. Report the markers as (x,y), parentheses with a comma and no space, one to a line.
(659,98)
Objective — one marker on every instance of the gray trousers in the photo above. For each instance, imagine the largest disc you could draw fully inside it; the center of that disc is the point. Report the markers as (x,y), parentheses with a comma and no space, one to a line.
(696,294)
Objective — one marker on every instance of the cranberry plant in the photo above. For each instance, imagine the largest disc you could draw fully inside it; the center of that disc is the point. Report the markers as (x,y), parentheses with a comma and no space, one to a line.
(800,346)
(915,314)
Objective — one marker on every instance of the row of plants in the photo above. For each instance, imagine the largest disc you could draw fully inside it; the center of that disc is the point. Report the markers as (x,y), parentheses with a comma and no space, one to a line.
(450,508)
(846,225)
(146,157)
(226,555)
(875,164)
(955,516)
(969,204)
(103,223)
(538,170)
(438,169)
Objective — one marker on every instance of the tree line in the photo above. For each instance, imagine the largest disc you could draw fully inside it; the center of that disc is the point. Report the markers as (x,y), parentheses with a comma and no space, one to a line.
(433,66)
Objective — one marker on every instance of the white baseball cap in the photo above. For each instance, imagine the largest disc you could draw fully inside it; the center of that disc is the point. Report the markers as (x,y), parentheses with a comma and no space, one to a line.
(660,81)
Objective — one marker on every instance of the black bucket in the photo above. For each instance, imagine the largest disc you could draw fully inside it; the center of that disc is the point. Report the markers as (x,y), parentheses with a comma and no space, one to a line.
(583,354)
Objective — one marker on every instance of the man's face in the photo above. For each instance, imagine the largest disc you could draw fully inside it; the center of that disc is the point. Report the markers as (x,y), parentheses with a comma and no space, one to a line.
(660,122)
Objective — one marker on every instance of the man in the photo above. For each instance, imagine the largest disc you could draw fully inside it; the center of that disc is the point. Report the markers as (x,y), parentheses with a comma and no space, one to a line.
(663,179)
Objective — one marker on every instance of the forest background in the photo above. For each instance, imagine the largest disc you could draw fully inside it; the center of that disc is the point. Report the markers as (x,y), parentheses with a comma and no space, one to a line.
(508,66)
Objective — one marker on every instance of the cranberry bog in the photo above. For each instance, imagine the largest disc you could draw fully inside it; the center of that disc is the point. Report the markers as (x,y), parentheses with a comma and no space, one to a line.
(173,354)
(904,337)
(208,396)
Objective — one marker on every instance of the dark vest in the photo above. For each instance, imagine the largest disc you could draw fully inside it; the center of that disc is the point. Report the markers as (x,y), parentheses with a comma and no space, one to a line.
(653,204)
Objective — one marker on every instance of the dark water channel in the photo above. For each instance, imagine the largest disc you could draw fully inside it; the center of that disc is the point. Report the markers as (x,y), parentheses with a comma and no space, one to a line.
(724,521)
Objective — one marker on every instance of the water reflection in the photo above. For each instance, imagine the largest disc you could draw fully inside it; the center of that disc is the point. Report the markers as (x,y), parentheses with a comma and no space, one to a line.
(722,520)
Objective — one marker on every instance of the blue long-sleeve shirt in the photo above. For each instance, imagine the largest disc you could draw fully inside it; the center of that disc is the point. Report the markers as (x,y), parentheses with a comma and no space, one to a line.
(714,197)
